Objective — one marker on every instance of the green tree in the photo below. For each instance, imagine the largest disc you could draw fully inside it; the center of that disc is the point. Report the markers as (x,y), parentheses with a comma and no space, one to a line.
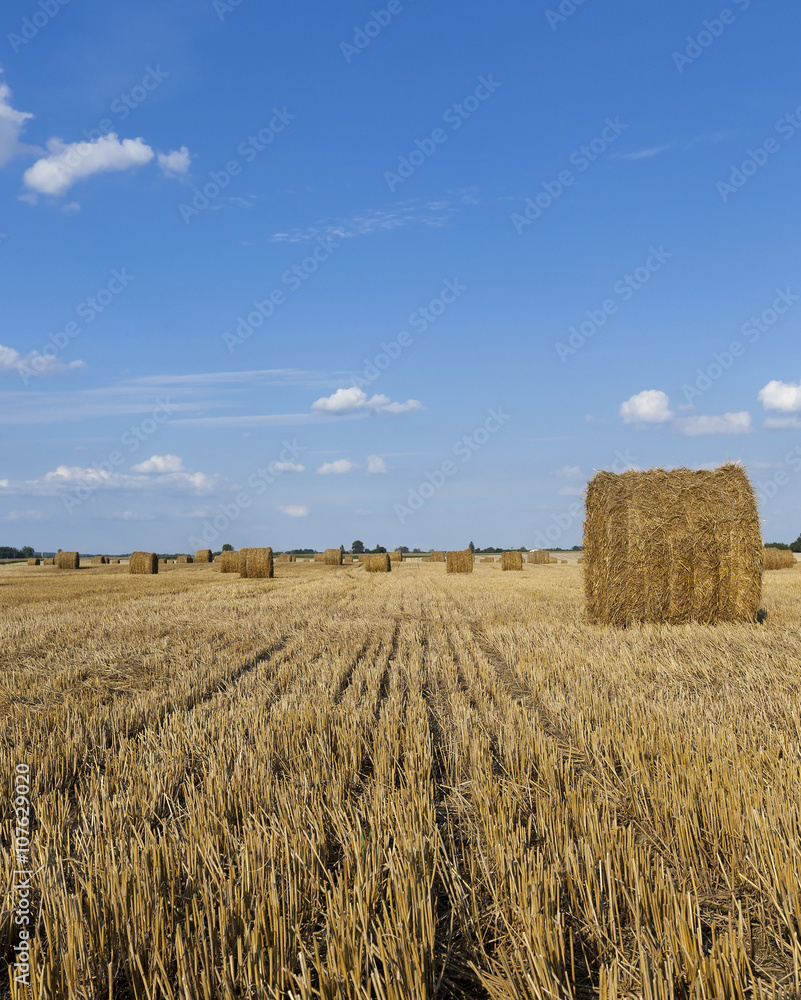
(227,548)
(471,547)
(357,548)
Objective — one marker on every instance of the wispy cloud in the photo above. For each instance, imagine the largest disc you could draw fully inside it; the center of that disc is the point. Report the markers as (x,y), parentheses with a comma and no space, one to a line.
(149,478)
(294,510)
(338,468)
(726,423)
(643,154)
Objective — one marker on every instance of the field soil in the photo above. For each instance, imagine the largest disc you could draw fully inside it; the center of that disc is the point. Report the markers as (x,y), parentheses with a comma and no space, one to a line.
(336,784)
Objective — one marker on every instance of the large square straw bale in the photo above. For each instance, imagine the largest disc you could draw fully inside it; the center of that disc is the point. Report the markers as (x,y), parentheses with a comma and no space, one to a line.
(459,562)
(672,547)
(332,557)
(256,564)
(512,560)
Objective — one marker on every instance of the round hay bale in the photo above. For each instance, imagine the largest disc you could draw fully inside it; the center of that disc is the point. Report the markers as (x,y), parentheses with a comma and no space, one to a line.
(285,557)
(229,562)
(256,564)
(459,562)
(396,556)
(68,560)
(378,562)
(185,560)
(319,557)
(203,556)
(143,563)
(512,560)
(672,547)
(563,562)
(332,557)
(33,562)
(538,557)
(49,562)
(777,558)
(99,560)
(437,556)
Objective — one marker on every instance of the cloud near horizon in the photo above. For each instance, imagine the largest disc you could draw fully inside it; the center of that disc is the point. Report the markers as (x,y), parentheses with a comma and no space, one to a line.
(159,472)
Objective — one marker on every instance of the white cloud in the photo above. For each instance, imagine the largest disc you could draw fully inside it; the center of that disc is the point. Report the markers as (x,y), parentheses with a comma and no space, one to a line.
(338,468)
(783,396)
(782,423)
(12,124)
(354,399)
(66,478)
(286,467)
(22,515)
(69,162)
(727,423)
(375,464)
(12,361)
(175,163)
(160,463)
(568,472)
(651,406)
(295,511)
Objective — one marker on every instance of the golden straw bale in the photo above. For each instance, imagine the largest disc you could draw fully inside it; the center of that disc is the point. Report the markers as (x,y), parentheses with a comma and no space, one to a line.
(491,559)
(672,547)
(143,563)
(332,557)
(563,562)
(256,564)
(229,562)
(396,556)
(552,560)
(203,556)
(99,560)
(319,557)
(512,560)
(580,559)
(184,560)
(459,562)
(68,560)
(285,557)
(379,562)
(49,562)
(778,558)
(33,562)
(538,557)
(437,556)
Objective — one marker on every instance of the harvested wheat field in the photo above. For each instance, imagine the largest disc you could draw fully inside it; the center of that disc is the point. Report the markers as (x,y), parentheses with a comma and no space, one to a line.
(398,786)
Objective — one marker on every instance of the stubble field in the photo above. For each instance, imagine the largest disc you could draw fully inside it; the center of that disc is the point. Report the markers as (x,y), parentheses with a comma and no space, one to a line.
(335,784)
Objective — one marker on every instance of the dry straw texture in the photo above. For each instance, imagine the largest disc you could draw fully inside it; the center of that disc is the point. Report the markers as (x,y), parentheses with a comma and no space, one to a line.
(285,557)
(99,560)
(184,559)
(347,559)
(48,562)
(538,557)
(68,560)
(333,557)
(778,558)
(487,559)
(672,547)
(396,556)
(459,562)
(552,560)
(319,557)
(256,564)
(33,562)
(203,556)
(580,559)
(437,556)
(229,562)
(512,560)
(378,563)
(563,562)
(143,563)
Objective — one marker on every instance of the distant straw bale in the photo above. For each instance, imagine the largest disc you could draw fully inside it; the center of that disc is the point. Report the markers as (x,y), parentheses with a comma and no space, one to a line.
(319,557)
(203,556)
(143,563)
(49,562)
(778,558)
(256,564)
(184,559)
(512,560)
(33,562)
(437,556)
(538,557)
(580,559)
(285,557)
(459,562)
(229,562)
(563,562)
(332,557)
(491,559)
(552,560)
(99,560)
(396,556)
(672,547)
(379,562)
(347,559)
(68,560)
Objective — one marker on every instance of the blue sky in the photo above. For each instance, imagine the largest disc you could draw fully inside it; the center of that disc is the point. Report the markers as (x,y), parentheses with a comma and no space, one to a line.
(295,277)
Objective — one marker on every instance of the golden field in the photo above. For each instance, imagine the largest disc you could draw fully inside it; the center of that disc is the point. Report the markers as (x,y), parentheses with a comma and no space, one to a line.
(397,786)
